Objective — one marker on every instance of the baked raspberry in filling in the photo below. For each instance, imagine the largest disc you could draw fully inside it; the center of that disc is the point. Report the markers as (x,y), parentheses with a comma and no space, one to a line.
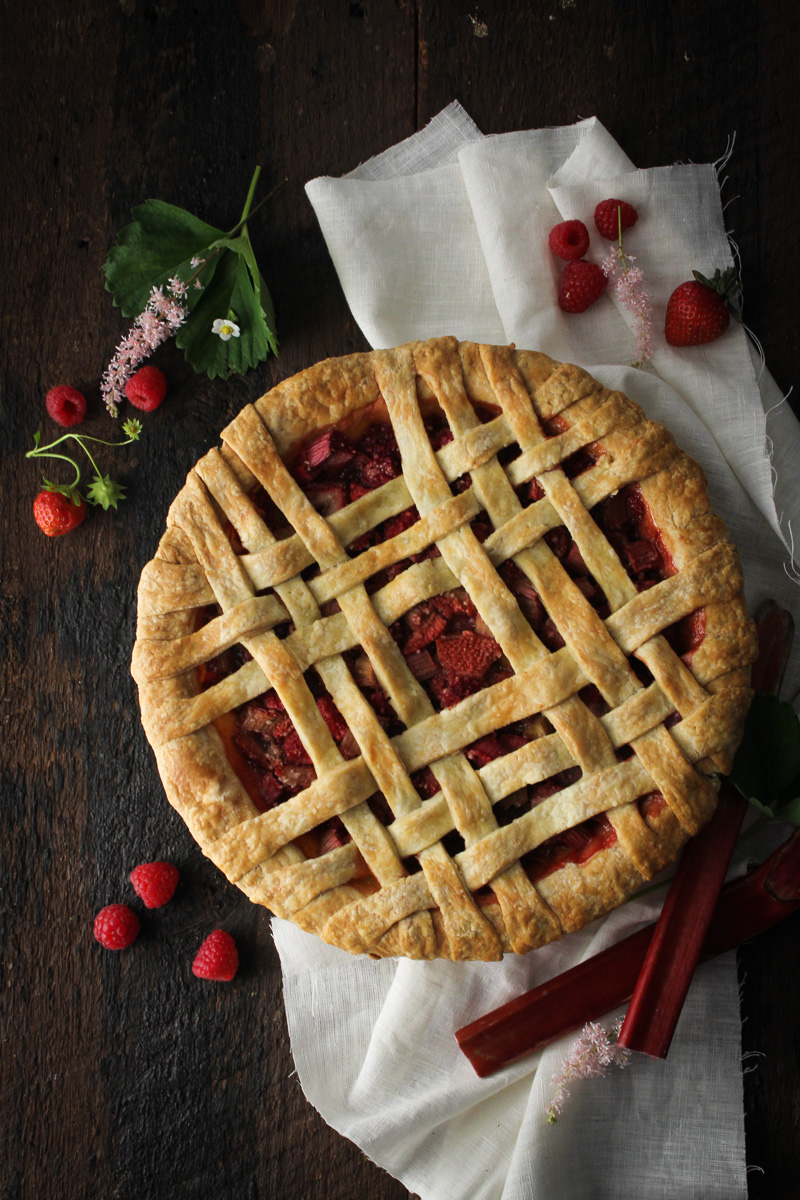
(449,649)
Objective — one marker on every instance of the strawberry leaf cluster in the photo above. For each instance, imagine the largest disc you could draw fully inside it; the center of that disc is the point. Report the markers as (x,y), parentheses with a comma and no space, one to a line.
(164,243)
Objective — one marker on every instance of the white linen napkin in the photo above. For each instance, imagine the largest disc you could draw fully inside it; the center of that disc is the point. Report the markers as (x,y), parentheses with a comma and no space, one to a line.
(446,233)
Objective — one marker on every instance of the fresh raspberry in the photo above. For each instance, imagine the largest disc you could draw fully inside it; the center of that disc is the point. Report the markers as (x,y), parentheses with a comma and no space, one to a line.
(55,513)
(569,240)
(607,219)
(217,958)
(116,926)
(581,284)
(155,882)
(146,389)
(66,405)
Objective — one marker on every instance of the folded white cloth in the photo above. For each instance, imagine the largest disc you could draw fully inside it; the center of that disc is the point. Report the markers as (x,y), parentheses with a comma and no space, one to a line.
(446,233)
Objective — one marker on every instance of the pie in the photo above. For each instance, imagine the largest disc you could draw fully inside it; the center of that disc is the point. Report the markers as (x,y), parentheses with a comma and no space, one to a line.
(443,653)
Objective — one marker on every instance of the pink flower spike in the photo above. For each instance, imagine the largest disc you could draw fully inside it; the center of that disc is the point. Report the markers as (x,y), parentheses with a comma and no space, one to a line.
(162,316)
(632,295)
(590,1057)
(177,287)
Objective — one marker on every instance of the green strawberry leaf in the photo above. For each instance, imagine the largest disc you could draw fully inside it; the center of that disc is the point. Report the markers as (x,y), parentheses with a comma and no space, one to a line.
(243,246)
(232,290)
(104,491)
(159,243)
(162,243)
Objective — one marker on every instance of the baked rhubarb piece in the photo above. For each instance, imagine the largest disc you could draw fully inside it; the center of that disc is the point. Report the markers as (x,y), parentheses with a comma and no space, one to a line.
(443,652)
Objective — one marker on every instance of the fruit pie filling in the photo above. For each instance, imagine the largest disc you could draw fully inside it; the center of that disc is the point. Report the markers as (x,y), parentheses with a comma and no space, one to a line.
(446,644)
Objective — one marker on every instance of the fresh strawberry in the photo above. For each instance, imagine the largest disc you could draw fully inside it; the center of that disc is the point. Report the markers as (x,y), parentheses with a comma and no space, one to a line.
(569,240)
(699,311)
(467,654)
(155,882)
(581,285)
(116,926)
(607,218)
(217,958)
(56,513)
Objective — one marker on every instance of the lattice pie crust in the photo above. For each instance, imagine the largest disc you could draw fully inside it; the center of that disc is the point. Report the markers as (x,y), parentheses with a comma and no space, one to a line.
(453,872)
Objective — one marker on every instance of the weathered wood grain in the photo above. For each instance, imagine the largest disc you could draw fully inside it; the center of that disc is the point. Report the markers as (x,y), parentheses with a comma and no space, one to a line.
(120,1075)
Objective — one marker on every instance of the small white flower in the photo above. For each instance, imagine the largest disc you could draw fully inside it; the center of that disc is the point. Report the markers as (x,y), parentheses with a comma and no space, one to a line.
(225,329)
(196,262)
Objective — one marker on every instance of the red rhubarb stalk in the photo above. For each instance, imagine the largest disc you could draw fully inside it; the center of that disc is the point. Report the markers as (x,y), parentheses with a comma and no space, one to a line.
(674,952)
(748,906)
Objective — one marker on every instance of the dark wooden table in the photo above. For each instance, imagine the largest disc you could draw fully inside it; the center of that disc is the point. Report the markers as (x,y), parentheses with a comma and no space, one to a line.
(122,1076)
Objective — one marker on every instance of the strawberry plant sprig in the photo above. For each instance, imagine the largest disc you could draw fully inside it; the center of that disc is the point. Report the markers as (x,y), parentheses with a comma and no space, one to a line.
(103,490)
(178,275)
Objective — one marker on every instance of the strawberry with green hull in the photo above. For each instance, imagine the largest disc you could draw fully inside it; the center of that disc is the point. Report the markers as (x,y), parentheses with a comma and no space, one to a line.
(56,514)
(700,310)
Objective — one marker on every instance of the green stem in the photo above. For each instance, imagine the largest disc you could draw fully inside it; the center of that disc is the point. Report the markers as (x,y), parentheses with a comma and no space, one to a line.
(80,438)
(91,460)
(65,458)
(621,251)
(248,213)
(250,193)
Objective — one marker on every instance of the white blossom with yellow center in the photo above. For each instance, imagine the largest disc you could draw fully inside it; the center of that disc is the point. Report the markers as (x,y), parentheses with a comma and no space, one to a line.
(225,329)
